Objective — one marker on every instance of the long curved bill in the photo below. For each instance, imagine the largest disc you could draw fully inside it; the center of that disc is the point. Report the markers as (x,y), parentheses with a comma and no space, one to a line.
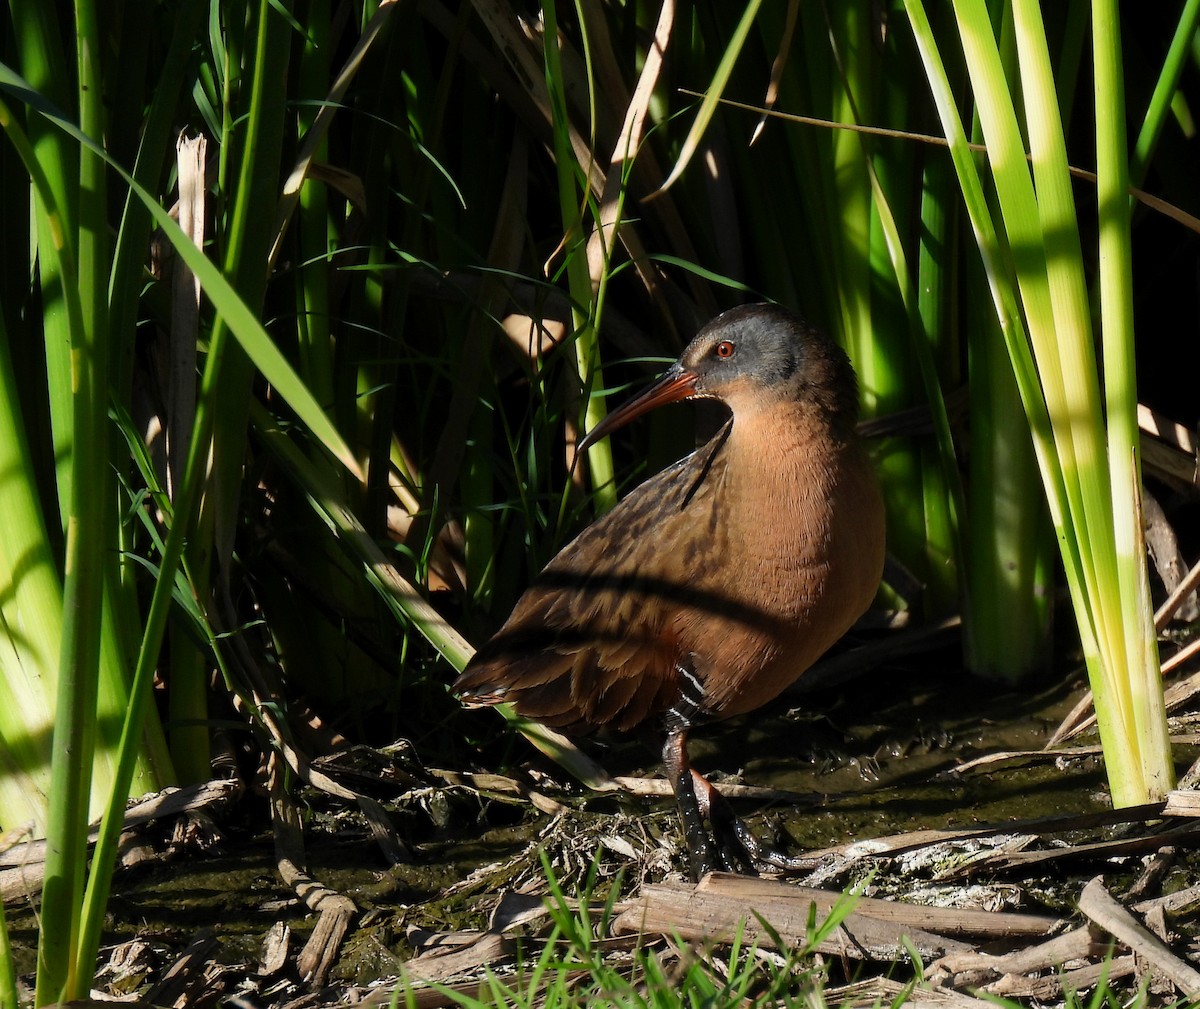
(676,384)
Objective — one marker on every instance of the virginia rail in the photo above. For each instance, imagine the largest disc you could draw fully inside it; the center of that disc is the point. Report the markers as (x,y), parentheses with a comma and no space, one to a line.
(718,582)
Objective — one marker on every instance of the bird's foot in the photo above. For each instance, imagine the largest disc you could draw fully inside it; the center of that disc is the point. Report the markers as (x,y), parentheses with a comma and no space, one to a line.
(738,850)
(725,844)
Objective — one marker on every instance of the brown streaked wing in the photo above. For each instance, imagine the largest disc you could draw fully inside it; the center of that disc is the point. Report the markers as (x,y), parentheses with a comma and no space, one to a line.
(591,642)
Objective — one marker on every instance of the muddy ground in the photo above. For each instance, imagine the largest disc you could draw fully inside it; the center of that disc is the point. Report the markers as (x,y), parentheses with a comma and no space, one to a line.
(879,756)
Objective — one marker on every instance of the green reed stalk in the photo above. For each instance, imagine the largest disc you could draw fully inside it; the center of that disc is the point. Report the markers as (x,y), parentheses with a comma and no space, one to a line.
(43,64)
(32,603)
(242,324)
(1010,550)
(937,277)
(315,343)
(75,717)
(1008,603)
(1062,393)
(251,175)
(1165,88)
(8,973)
(1147,734)
(90,496)
(573,197)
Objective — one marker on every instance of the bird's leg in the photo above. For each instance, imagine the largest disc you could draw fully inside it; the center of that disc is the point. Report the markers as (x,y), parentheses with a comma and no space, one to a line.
(683,784)
(730,846)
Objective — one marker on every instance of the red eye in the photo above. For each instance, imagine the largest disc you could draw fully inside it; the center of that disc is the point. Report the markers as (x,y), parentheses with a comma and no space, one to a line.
(724,349)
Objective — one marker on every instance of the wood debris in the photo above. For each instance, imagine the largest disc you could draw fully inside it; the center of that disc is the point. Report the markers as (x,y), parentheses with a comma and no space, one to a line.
(945,917)
(1106,912)
(966,953)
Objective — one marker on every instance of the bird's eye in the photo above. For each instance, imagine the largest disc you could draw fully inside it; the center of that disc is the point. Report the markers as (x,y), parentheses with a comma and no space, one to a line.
(724,349)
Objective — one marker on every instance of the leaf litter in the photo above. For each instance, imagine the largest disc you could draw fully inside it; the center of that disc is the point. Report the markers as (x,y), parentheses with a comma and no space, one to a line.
(966,901)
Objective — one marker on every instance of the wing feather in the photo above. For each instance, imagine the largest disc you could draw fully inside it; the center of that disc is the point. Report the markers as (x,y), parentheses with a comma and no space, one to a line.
(592,642)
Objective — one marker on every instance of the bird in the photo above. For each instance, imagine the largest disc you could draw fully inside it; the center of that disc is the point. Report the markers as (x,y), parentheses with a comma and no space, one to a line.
(715,584)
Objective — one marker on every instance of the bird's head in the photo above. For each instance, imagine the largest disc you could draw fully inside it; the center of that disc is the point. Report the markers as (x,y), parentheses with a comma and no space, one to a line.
(751,358)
